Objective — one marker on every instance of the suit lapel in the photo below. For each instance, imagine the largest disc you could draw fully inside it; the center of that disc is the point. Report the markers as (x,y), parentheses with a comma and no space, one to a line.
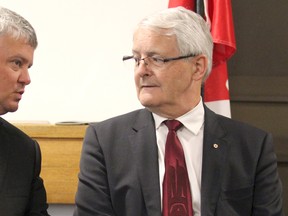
(214,154)
(3,153)
(143,143)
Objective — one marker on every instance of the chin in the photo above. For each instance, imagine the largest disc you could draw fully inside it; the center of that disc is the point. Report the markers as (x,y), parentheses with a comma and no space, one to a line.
(12,109)
(147,99)
(146,102)
(150,105)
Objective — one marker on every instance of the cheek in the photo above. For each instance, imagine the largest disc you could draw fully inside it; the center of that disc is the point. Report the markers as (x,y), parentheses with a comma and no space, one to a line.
(136,79)
(3,76)
(4,88)
(177,84)
(8,79)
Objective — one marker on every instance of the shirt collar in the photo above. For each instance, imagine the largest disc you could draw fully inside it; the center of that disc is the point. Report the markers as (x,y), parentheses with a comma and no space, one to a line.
(192,120)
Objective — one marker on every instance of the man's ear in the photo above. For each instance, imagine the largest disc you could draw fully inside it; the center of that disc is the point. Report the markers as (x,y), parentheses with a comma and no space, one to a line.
(200,65)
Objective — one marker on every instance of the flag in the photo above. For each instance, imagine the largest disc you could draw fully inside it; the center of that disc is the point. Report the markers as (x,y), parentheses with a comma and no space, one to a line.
(218,15)
(188,4)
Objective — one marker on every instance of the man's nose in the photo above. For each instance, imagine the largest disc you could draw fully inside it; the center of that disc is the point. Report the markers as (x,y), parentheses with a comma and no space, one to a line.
(25,77)
(143,69)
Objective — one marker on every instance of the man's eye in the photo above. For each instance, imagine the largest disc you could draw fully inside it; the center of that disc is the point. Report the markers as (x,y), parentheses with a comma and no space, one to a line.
(137,60)
(157,59)
(18,63)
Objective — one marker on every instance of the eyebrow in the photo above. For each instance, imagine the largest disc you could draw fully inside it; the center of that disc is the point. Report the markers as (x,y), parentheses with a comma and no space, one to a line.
(150,53)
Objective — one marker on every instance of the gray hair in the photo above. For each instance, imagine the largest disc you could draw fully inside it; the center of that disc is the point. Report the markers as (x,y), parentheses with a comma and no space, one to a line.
(192,32)
(15,25)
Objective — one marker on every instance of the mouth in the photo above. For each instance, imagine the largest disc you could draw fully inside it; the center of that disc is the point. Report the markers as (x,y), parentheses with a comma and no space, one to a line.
(20,93)
(148,84)
(148,87)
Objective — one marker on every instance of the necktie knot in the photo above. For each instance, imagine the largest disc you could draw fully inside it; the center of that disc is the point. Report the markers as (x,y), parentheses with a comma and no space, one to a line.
(173,124)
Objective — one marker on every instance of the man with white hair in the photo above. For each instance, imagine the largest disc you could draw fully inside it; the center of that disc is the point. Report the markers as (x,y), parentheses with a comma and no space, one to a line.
(175,157)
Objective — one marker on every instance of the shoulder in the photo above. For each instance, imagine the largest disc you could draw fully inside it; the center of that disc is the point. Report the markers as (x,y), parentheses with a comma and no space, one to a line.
(234,128)
(13,134)
(240,127)
(123,120)
(121,125)
(243,140)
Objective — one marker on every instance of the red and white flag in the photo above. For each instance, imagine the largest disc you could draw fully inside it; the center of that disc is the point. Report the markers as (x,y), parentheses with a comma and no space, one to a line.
(218,15)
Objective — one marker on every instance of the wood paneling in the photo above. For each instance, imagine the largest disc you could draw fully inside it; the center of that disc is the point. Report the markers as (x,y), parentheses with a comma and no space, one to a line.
(60,147)
(258,73)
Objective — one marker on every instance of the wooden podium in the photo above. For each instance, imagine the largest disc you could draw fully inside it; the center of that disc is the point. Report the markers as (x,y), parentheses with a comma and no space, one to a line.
(61,148)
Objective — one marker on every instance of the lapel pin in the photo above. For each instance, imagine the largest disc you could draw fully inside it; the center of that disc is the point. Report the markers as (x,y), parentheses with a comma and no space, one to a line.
(215,146)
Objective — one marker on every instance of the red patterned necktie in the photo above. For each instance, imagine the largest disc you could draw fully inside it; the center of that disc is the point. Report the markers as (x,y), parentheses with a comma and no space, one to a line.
(177,199)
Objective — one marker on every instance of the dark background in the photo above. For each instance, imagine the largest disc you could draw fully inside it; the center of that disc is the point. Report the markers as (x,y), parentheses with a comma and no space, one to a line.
(258,73)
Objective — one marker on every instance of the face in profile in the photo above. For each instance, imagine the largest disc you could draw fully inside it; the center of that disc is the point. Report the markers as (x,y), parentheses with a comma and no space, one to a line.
(16,57)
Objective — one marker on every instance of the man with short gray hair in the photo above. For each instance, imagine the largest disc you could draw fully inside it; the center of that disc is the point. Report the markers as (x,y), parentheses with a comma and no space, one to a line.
(22,191)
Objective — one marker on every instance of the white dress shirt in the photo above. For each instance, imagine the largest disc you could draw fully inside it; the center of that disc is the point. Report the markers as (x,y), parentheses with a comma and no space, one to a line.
(191,138)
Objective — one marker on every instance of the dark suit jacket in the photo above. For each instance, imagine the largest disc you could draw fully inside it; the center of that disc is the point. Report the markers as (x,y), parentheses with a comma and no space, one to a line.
(119,169)
(21,189)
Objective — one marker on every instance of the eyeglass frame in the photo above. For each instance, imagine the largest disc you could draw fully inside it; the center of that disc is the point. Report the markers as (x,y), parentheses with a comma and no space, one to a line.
(164,60)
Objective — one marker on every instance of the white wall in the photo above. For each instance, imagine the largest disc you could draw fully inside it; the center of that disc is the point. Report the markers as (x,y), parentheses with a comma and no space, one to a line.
(78,73)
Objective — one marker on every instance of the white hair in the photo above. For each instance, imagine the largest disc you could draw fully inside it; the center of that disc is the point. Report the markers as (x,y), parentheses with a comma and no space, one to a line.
(192,32)
(15,25)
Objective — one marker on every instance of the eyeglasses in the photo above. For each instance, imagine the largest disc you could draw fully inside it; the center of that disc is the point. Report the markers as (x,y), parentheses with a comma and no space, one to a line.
(154,61)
